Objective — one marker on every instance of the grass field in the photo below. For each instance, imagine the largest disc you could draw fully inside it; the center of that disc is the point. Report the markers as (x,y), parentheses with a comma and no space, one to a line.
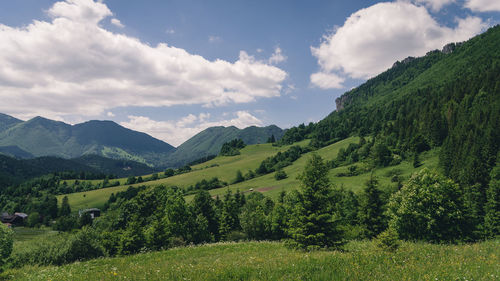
(272,261)
(22,234)
(222,167)
(251,156)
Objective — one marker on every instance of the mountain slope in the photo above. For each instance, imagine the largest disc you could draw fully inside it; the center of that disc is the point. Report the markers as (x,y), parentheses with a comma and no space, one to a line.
(15,171)
(120,168)
(43,137)
(447,100)
(209,142)
(7,121)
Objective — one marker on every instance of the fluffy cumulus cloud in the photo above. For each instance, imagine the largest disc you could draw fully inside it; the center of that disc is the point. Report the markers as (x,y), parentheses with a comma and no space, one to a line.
(71,65)
(177,132)
(372,39)
(483,5)
(327,80)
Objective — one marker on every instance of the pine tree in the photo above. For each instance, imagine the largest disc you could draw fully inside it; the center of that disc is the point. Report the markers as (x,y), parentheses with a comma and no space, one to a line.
(371,209)
(312,225)
(65,208)
(239,177)
(492,208)
(203,204)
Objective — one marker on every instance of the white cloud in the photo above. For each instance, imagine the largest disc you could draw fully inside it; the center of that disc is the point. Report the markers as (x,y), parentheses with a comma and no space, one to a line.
(170,31)
(483,5)
(110,114)
(117,22)
(177,132)
(327,80)
(73,66)
(277,56)
(435,5)
(372,39)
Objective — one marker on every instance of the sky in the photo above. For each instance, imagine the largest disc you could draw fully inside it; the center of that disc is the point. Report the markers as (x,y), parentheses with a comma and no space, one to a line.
(172,68)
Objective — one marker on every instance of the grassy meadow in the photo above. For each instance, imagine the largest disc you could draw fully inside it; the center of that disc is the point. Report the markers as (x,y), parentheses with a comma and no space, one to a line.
(225,167)
(273,261)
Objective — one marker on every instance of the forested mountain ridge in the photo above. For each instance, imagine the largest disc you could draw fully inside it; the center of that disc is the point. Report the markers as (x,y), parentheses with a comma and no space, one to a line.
(209,141)
(44,137)
(14,171)
(444,99)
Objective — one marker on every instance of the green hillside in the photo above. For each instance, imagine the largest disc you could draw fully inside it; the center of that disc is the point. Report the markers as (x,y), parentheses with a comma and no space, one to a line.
(447,100)
(273,261)
(7,121)
(209,142)
(225,169)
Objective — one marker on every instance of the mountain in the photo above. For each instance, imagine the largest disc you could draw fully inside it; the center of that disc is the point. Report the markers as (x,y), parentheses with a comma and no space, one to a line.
(209,142)
(43,137)
(14,171)
(120,168)
(7,121)
(15,151)
(448,99)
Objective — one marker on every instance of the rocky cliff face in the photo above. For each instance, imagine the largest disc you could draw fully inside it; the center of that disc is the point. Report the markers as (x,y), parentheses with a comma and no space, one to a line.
(342,101)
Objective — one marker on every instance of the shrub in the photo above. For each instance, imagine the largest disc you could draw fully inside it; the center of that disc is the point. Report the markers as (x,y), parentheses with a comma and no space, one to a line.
(388,240)
(427,208)
(280,175)
(6,243)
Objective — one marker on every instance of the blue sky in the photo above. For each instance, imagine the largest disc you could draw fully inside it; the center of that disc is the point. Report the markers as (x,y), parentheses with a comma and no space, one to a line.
(174,68)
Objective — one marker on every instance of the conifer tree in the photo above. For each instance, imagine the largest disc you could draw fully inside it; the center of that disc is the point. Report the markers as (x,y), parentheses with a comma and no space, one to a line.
(65,208)
(312,225)
(492,208)
(203,205)
(371,209)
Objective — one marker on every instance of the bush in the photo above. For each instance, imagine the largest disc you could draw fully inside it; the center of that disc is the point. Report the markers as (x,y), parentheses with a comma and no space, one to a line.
(57,250)
(280,175)
(388,240)
(6,243)
(428,208)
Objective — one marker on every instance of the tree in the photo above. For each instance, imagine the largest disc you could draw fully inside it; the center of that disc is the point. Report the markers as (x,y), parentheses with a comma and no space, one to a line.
(280,174)
(230,211)
(132,239)
(427,208)
(203,205)
(65,208)
(177,219)
(382,156)
(312,224)
(371,209)
(253,218)
(6,242)
(85,219)
(492,208)
(33,219)
(271,139)
(131,180)
(169,172)
(239,177)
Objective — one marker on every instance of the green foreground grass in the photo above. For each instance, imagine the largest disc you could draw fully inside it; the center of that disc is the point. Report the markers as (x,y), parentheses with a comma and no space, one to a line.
(273,261)
(251,156)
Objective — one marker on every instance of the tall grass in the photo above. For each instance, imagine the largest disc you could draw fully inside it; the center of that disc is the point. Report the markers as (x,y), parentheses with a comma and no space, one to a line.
(273,261)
